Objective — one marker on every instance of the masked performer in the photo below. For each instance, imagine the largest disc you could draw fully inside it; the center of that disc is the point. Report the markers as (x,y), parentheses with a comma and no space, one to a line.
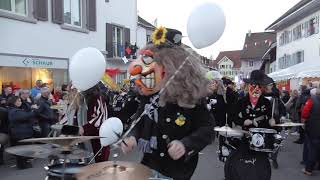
(254,111)
(176,124)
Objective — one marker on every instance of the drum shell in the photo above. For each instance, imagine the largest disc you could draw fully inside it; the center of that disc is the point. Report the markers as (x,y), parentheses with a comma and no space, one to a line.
(268,136)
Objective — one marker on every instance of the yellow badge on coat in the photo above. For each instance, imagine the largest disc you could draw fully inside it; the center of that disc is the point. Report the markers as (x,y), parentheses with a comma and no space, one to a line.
(180,121)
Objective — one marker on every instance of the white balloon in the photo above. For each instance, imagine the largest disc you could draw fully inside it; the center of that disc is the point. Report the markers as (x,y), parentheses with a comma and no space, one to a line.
(110,130)
(206,25)
(87,67)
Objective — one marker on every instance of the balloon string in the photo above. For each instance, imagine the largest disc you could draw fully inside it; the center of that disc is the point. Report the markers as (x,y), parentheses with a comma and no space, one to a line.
(96,155)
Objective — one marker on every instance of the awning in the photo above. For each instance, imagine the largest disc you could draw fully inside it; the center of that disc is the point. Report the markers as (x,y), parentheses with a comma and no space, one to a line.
(301,70)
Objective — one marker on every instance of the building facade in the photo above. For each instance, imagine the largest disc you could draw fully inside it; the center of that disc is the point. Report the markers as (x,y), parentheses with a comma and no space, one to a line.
(255,46)
(298,37)
(38,37)
(228,64)
(144,32)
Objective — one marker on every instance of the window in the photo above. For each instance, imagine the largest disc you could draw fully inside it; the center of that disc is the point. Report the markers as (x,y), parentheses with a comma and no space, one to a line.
(14,6)
(297,32)
(313,26)
(250,63)
(72,12)
(148,38)
(117,39)
(222,66)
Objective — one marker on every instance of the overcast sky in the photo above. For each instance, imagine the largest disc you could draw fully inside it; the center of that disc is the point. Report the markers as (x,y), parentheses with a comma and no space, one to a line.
(241,16)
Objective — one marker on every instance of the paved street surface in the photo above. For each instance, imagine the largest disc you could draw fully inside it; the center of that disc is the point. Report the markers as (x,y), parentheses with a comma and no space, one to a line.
(209,168)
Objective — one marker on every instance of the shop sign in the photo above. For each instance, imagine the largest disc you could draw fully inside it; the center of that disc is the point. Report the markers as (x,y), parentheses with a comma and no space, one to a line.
(33,62)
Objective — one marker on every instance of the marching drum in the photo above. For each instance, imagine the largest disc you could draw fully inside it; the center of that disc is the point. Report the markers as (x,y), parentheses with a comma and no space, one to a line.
(66,171)
(264,140)
(247,165)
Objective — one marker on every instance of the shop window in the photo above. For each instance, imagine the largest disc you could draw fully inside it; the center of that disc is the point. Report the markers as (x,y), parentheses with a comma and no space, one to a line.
(14,6)
(26,77)
(72,12)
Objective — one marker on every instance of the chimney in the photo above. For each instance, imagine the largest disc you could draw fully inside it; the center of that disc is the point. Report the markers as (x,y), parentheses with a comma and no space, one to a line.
(249,33)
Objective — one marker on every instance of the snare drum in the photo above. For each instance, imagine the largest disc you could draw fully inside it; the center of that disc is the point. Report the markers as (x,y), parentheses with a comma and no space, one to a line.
(57,171)
(263,140)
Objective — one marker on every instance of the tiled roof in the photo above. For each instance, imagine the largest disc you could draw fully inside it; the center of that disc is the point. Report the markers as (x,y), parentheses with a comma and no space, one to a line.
(256,44)
(234,56)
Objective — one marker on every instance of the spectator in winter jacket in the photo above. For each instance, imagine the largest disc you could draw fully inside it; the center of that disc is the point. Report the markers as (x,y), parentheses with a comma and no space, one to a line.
(21,126)
(3,131)
(46,116)
(302,99)
(27,101)
(37,89)
(311,118)
(4,97)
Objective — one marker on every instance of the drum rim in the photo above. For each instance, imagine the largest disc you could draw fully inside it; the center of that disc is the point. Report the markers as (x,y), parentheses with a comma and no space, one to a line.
(52,168)
(262,149)
(263,130)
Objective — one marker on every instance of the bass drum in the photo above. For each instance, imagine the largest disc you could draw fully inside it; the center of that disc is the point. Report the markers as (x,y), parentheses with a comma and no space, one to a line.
(247,165)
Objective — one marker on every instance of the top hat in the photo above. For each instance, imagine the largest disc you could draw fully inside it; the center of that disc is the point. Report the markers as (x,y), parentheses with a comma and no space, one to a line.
(258,77)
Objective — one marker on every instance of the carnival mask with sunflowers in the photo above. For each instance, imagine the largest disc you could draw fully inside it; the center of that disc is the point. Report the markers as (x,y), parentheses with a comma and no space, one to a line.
(149,73)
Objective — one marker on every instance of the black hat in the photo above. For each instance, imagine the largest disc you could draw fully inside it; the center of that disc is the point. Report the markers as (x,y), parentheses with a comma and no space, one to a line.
(268,79)
(161,36)
(174,36)
(257,77)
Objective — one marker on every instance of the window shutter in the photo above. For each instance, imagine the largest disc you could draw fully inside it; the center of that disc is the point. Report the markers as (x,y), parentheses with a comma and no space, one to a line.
(40,9)
(126,36)
(109,40)
(57,11)
(91,15)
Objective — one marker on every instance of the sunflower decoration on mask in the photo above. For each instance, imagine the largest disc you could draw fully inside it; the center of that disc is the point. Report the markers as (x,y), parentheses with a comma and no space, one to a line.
(159,36)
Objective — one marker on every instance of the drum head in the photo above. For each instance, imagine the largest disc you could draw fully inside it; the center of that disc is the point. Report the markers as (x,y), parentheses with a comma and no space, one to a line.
(247,165)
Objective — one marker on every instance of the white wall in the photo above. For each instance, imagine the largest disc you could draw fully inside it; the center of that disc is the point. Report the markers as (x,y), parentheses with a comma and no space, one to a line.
(48,39)
(246,69)
(141,37)
(122,12)
(310,45)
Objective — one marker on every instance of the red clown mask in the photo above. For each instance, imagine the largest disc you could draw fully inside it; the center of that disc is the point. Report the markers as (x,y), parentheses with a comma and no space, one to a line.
(255,91)
(149,73)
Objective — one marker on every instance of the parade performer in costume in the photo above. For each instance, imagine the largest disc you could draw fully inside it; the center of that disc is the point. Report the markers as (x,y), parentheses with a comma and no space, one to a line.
(216,101)
(254,111)
(176,125)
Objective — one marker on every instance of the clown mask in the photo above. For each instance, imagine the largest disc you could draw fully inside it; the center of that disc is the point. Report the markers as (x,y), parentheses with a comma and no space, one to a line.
(148,73)
(255,91)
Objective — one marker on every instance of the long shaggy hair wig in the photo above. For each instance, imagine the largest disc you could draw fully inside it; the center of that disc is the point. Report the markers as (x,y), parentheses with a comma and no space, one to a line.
(189,84)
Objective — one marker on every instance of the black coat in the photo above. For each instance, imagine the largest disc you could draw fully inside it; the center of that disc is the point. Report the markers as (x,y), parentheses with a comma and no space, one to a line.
(26,106)
(46,114)
(193,127)
(232,99)
(4,124)
(262,111)
(218,107)
(20,123)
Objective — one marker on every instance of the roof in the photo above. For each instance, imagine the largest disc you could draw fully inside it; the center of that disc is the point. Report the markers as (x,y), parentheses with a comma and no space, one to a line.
(234,56)
(290,11)
(145,23)
(256,44)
